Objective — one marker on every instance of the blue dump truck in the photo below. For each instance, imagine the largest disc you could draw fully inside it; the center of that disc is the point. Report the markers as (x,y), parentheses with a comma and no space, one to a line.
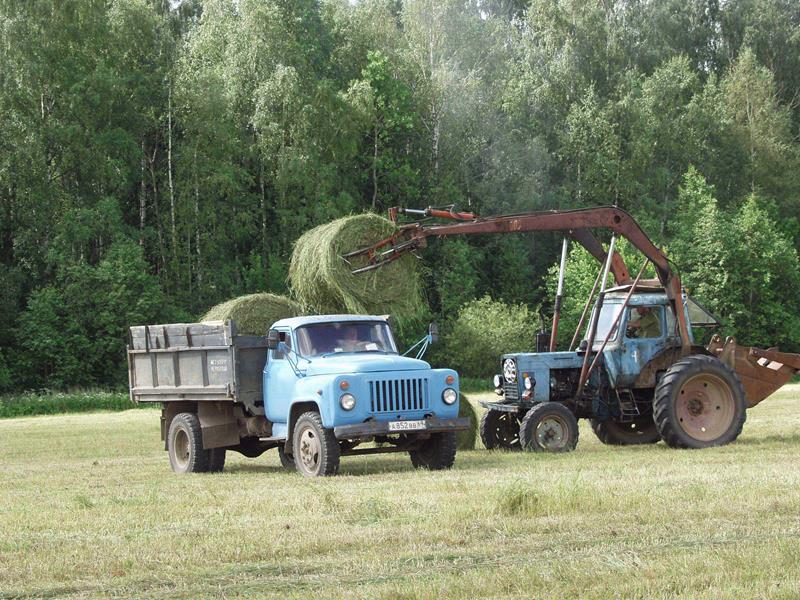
(316,388)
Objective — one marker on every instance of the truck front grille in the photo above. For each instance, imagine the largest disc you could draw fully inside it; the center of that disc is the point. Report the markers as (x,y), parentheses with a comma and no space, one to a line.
(398,395)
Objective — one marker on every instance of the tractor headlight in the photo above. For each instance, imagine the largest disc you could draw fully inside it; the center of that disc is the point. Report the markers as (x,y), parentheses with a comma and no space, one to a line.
(497,381)
(510,370)
(528,382)
(449,396)
(347,401)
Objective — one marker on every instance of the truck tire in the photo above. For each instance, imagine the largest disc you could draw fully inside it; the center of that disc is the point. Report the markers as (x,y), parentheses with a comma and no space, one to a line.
(287,461)
(549,427)
(699,403)
(436,453)
(500,430)
(315,449)
(216,460)
(185,444)
(639,431)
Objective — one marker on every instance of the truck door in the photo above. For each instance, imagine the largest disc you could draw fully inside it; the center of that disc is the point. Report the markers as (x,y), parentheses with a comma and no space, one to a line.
(279,380)
(644,337)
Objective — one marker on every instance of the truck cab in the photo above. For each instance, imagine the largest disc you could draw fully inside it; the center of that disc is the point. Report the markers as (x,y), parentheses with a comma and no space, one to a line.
(325,387)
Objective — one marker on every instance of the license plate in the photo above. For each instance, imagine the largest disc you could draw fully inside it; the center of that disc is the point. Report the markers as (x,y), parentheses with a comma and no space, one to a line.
(406,425)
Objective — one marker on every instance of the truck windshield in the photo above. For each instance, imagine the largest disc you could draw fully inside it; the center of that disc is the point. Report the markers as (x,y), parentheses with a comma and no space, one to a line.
(331,338)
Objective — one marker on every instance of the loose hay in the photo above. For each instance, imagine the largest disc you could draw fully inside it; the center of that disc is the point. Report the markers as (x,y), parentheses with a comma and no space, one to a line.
(468,437)
(254,314)
(322,280)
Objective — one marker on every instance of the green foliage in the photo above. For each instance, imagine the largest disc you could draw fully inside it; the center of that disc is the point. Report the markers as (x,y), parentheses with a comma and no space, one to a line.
(483,330)
(29,404)
(158,159)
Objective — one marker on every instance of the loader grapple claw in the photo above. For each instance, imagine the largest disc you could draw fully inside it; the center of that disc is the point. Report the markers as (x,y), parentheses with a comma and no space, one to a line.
(762,372)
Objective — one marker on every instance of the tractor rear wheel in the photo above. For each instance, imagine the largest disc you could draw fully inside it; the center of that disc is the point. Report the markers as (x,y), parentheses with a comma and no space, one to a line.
(500,430)
(699,402)
(639,431)
(549,427)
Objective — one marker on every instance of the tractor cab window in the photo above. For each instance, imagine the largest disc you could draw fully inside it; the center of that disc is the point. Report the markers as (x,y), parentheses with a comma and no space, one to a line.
(283,336)
(605,322)
(644,322)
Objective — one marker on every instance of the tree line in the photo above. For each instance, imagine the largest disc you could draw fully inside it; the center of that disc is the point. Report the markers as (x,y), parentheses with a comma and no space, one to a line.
(159,157)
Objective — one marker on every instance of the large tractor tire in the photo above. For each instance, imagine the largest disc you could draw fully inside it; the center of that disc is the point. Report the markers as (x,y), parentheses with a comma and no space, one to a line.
(500,430)
(436,453)
(185,445)
(639,431)
(315,449)
(549,427)
(699,402)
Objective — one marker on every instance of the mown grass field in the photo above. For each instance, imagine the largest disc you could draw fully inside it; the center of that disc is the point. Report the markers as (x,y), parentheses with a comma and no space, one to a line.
(90,509)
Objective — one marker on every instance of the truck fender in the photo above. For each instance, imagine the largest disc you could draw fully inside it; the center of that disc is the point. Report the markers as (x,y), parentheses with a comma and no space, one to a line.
(297,409)
(219,423)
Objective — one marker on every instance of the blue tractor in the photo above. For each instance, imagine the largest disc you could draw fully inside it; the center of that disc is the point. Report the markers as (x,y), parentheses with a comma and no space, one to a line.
(638,374)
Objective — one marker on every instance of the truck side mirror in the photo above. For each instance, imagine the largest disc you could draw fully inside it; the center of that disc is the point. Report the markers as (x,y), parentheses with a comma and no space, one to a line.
(272,339)
(433,332)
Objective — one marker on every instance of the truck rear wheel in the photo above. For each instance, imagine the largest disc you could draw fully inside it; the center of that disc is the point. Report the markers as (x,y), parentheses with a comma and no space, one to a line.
(315,449)
(436,453)
(500,429)
(699,402)
(185,445)
(639,431)
(549,427)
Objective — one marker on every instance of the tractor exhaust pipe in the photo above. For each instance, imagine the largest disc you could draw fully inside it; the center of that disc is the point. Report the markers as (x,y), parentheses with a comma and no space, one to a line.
(559,295)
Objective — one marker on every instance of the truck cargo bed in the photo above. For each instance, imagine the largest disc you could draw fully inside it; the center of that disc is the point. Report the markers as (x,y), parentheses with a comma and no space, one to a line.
(196,362)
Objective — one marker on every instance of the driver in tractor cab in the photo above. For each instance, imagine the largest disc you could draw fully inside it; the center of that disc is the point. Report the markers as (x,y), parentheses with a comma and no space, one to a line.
(643,322)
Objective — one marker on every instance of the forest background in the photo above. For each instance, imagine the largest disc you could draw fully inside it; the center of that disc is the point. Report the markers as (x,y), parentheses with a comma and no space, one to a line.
(159,157)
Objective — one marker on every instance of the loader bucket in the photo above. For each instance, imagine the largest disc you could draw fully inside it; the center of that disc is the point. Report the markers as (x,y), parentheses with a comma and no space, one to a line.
(761,372)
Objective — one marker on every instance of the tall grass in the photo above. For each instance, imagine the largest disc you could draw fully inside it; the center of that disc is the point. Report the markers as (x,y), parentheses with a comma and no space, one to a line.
(52,403)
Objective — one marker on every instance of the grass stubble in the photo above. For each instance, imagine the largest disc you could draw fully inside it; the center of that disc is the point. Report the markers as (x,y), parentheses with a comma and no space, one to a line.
(89,508)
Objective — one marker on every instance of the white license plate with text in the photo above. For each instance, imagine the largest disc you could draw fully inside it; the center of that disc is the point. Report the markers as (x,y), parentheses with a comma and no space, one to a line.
(406,425)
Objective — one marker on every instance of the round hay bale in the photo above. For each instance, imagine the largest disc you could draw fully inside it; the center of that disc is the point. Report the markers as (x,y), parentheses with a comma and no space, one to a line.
(322,280)
(467,438)
(254,314)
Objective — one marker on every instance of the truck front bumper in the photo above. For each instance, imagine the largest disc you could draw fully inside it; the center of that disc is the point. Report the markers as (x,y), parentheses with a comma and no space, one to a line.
(373,428)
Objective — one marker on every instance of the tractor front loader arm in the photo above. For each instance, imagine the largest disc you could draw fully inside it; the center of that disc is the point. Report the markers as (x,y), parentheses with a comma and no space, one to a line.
(576,223)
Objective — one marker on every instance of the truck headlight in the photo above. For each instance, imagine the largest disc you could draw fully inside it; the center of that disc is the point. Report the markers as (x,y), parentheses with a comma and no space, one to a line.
(449,396)
(528,382)
(347,401)
(497,381)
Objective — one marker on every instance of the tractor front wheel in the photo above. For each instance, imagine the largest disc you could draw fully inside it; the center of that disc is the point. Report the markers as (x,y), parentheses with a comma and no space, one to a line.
(639,431)
(549,427)
(699,402)
(500,430)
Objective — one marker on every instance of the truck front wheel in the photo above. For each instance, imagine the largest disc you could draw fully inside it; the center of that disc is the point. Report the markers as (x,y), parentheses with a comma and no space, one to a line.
(315,449)
(549,427)
(185,445)
(436,453)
